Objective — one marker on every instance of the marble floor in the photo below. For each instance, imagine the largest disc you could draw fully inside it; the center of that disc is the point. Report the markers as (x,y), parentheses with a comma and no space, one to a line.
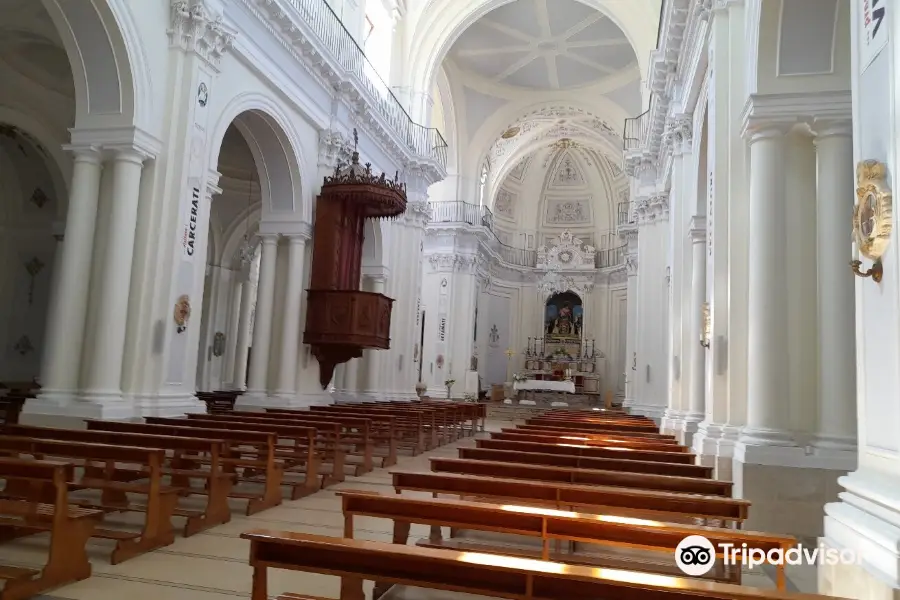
(213,565)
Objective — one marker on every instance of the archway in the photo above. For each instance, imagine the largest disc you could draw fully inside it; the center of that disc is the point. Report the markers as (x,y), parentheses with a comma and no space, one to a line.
(260,180)
(69,65)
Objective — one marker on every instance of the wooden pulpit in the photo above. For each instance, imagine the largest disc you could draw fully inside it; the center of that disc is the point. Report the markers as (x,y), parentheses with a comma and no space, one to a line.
(342,320)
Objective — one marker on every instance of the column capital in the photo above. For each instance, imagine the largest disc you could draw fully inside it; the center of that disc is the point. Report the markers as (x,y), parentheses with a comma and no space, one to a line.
(826,128)
(697,229)
(756,131)
(85,153)
(268,239)
(117,140)
(197,28)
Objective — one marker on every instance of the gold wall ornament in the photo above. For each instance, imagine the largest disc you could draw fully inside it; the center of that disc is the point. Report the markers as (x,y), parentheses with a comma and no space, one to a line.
(872,216)
(182,313)
(706,325)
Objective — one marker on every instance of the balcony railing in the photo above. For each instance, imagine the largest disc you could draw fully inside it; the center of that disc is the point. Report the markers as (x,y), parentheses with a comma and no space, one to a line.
(457,211)
(327,26)
(636,130)
(610,258)
(625,214)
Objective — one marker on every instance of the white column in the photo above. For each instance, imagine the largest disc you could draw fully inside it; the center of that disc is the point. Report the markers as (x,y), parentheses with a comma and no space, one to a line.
(242,343)
(836,314)
(290,340)
(631,265)
(351,376)
(768,401)
(373,359)
(232,328)
(104,375)
(61,361)
(262,328)
(696,405)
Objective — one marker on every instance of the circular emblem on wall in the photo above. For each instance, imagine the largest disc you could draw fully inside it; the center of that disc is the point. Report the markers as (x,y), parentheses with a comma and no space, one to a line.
(202,94)
(872,216)
(565,256)
(439,361)
(443,283)
(182,312)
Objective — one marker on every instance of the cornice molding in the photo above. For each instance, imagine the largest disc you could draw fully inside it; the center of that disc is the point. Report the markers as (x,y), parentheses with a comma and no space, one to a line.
(787,110)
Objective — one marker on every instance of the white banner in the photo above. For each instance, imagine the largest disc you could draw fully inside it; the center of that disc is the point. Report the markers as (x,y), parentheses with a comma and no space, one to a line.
(873,31)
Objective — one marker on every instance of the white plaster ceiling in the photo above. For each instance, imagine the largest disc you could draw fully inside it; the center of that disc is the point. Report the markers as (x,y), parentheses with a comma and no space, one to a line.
(30,46)
(543,44)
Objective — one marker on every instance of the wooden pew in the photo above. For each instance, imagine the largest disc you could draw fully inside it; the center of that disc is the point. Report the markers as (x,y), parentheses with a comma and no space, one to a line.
(69,526)
(628,502)
(572,430)
(309,447)
(408,427)
(217,483)
(299,457)
(639,544)
(249,450)
(102,469)
(684,458)
(644,481)
(593,440)
(559,432)
(356,561)
(587,462)
(330,434)
(417,424)
(380,428)
(597,424)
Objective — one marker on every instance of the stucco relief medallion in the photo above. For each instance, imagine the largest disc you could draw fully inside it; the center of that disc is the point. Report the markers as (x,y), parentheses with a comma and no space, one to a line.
(872,216)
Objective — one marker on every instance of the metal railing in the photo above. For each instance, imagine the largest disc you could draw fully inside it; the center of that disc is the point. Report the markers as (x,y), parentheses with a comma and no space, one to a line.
(636,129)
(327,26)
(610,258)
(624,214)
(457,211)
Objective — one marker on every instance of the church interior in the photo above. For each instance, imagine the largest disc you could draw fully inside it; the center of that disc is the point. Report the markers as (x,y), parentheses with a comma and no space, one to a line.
(448,299)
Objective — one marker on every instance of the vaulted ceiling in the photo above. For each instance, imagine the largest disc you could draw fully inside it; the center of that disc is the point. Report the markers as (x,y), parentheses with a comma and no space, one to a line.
(543,44)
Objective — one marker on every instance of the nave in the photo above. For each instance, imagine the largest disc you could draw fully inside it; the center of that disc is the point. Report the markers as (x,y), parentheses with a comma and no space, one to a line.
(556,488)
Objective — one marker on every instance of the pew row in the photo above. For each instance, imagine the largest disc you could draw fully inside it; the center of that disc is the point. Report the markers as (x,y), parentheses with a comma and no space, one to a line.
(636,543)
(626,502)
(69,526)
(356,561)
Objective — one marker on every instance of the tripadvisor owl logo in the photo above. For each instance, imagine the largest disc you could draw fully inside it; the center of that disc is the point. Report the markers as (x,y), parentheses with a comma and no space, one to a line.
(695,555)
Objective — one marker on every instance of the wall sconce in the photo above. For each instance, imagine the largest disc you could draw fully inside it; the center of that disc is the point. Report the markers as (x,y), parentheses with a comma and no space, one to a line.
(706,325)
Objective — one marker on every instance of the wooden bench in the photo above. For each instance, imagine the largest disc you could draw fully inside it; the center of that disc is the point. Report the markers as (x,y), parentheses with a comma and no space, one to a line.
(544,429)
(216,482)
(587,462)
(597,424)
(381,429)
(638,544)
(252,451)
(299,457)
(69,526)
(409,428)
(102,470)
(330,435)
(684,458)
(581,440)
(628,502)
(356,561)
(645,481)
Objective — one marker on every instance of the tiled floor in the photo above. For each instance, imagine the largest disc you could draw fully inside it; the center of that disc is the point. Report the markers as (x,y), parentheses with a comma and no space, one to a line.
(213,565)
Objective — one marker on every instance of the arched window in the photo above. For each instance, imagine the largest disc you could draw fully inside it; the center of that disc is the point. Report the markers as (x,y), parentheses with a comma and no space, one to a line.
(482,182)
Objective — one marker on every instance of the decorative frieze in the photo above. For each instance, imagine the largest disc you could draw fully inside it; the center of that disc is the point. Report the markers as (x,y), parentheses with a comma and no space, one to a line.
(195,28)
(651,209)
(459,263)
(334,148)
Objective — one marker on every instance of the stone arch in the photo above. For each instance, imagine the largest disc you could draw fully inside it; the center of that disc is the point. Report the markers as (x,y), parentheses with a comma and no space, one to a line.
(276,152)
(105,53)
(373,249)
(438,28)
(812,49)
(58,164)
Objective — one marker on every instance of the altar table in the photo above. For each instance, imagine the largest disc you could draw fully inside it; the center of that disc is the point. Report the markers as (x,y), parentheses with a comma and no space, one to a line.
(545,386)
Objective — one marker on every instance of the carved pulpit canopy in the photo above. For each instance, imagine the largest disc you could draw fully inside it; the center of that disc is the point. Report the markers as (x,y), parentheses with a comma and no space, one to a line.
(566,253)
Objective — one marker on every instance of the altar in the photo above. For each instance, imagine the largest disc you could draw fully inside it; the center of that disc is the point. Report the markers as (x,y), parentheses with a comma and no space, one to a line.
(555,392)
